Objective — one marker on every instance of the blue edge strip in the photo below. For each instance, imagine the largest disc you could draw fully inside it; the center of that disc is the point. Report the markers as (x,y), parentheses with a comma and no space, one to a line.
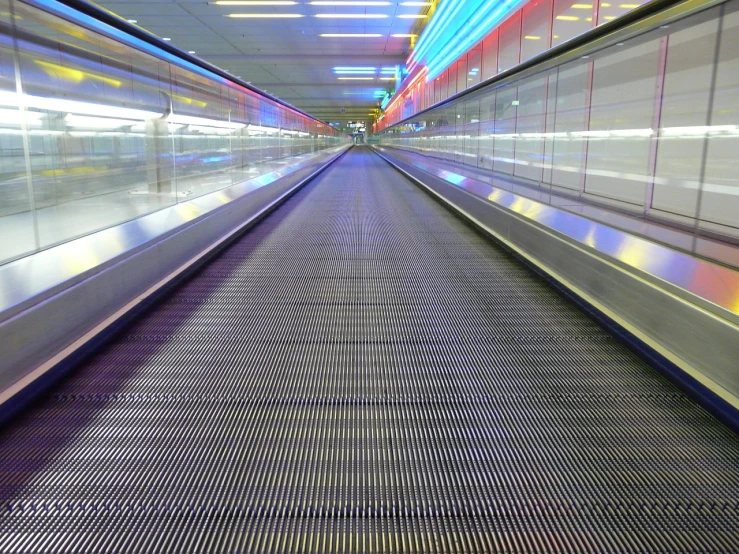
(18,404)
(712,402)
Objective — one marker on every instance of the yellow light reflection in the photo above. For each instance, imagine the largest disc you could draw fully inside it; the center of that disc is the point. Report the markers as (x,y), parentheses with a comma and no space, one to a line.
(188,210)
(631,254)
(590,237)
(568,18)
(496,195)
(81,260)
(73,75)
(189,101)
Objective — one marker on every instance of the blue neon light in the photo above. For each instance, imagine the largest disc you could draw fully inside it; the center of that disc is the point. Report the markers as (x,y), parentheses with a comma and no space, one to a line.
(454,178)
(454,29)
(493,12)
(451,17)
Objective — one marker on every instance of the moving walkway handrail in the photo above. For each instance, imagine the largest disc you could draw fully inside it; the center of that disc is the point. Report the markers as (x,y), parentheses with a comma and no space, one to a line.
(637,21)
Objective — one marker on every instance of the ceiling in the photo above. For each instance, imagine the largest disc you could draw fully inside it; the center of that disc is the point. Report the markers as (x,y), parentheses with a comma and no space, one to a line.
(287,57)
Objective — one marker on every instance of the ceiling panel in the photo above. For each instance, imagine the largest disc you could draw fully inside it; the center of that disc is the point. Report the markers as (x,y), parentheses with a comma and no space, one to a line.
(286,57)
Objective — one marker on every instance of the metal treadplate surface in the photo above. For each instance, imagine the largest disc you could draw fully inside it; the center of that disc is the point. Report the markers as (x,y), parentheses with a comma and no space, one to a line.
(363,373)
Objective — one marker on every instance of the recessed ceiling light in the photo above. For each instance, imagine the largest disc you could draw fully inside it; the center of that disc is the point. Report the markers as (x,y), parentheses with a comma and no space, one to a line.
(350,35)
(348,3)
(355,78)
(387,78)
(254,3)
(352,15)
(131,20)
(410,16)
(404,35)
(191,51)
(265,15)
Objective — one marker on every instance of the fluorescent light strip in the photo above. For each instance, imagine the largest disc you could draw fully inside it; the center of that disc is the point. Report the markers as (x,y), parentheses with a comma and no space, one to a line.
(404,35)
(410,16)
(262,128)
(352,15)
(254,3)
(354,68)
(348,3)
(201,121)
(92,122)
(350,35)
(72,106)
(16,117)
(419,4)
(356,78)
(265,15)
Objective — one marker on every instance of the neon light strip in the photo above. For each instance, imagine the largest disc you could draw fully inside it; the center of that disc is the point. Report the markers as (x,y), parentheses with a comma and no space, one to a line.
(453,31)
(437,24)
(467,36)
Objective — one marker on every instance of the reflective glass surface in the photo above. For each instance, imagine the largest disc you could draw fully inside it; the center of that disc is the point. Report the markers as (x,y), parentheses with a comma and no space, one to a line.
(649,125)
(95,132)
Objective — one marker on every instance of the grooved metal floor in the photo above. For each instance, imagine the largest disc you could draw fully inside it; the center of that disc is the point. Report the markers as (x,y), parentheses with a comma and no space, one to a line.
(363,373)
